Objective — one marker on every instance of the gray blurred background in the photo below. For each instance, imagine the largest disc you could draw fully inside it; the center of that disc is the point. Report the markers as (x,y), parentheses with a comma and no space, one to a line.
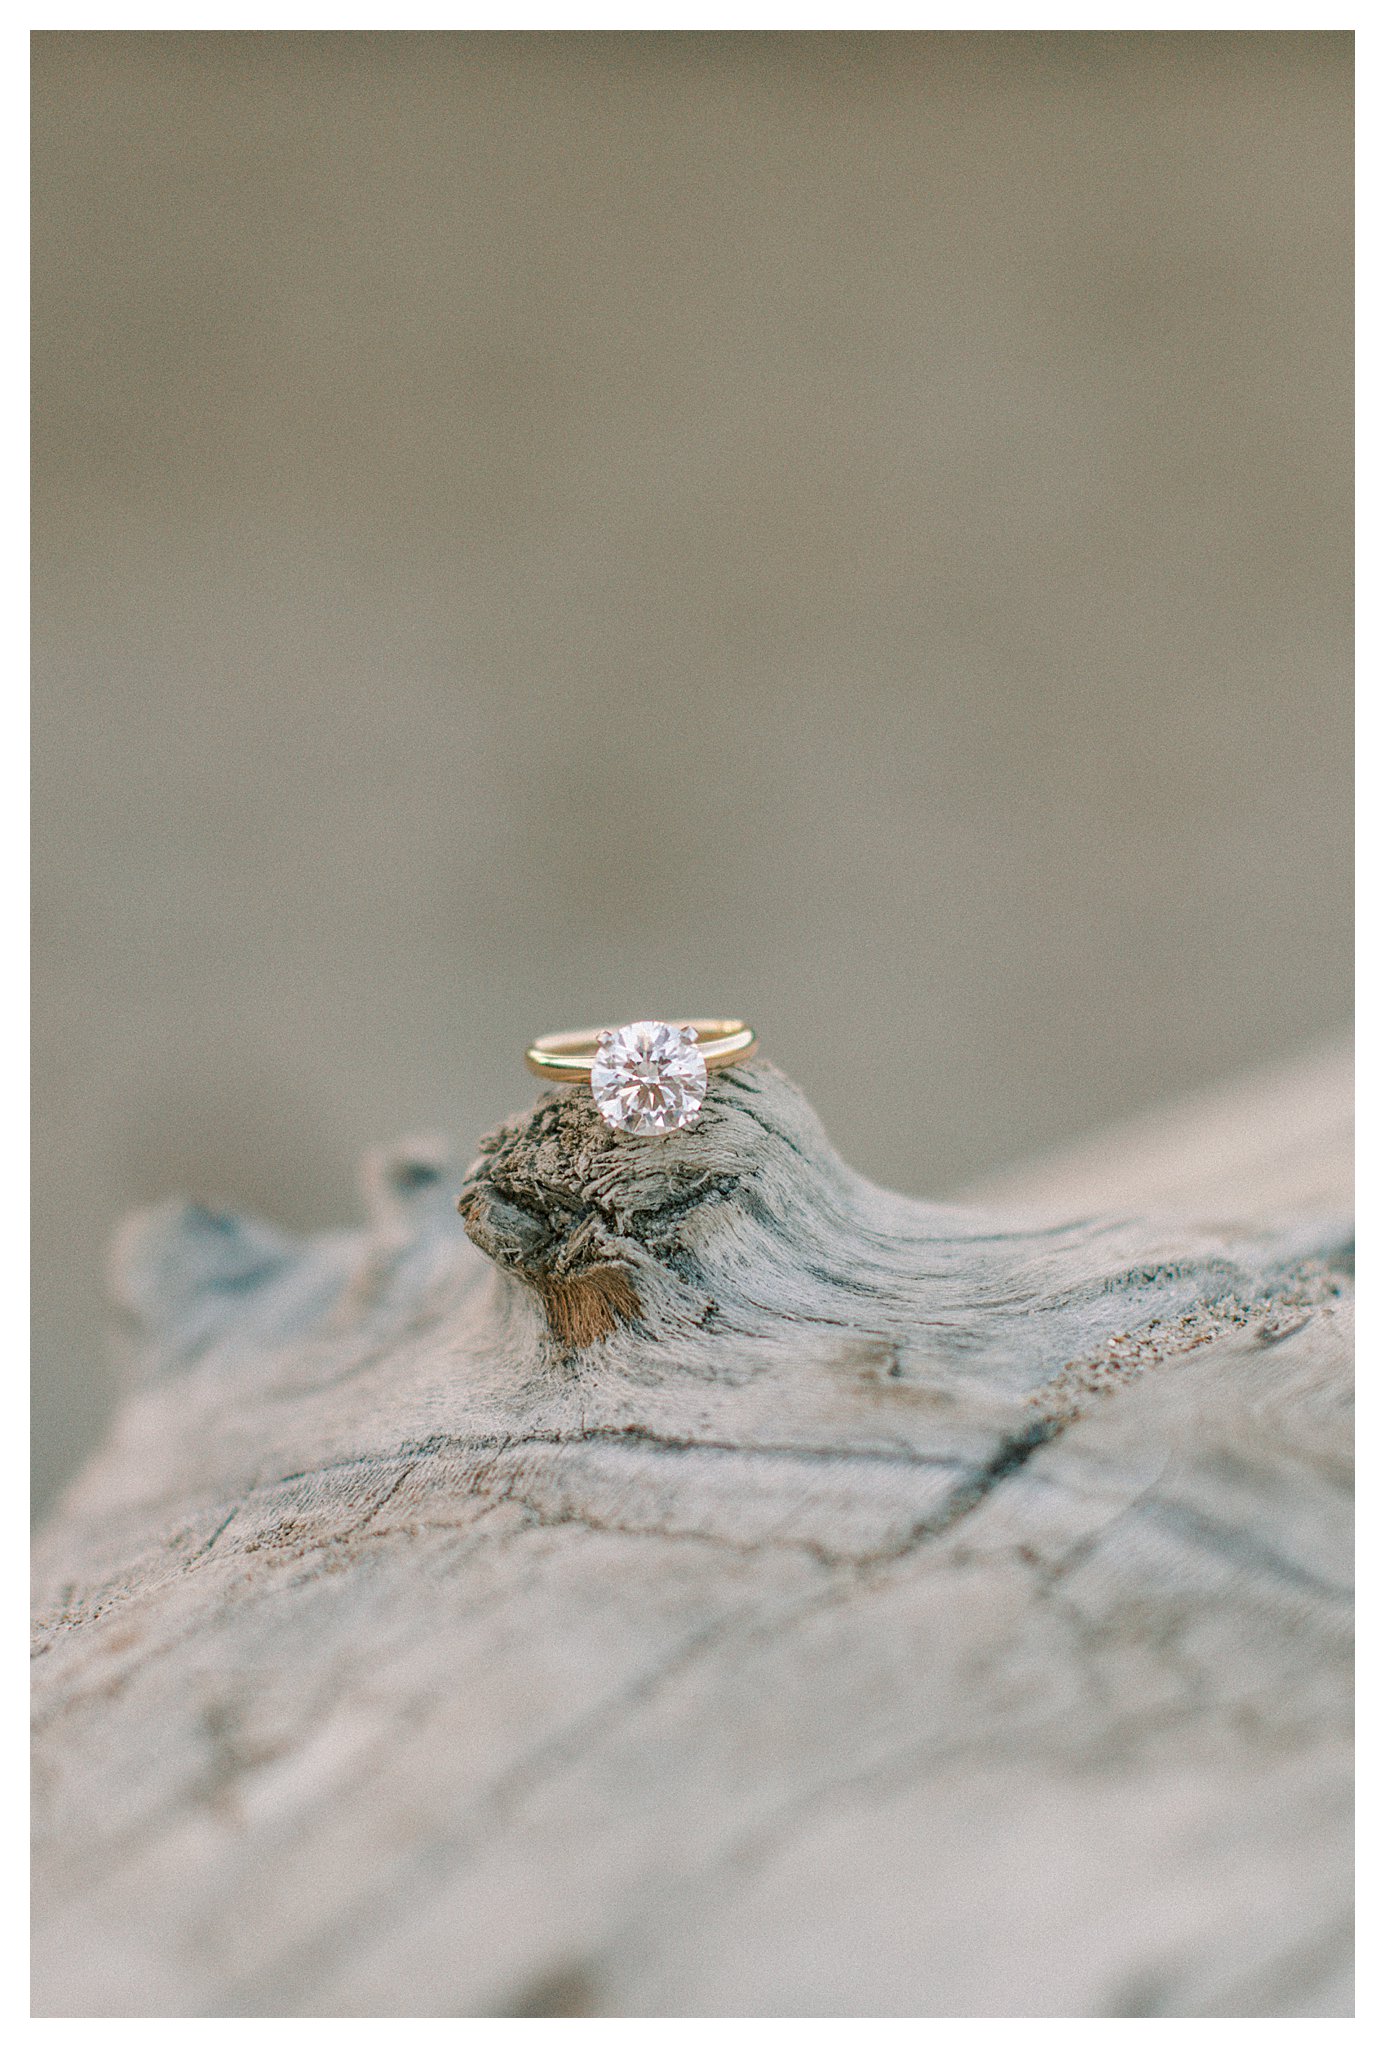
(539,529)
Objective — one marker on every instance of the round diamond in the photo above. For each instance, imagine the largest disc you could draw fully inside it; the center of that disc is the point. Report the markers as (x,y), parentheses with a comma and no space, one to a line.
(649,1077)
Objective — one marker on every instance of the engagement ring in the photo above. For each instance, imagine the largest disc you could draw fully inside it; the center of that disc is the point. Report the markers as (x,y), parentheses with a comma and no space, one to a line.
(645,1077)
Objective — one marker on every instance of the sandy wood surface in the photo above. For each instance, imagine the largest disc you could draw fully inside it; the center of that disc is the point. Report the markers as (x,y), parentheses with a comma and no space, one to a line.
(715,1585)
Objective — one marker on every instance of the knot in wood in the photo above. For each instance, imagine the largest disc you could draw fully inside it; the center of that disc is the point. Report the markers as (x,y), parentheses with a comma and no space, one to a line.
(614,1230)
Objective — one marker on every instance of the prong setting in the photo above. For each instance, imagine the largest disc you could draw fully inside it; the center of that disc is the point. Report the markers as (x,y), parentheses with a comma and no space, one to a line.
(649,1078)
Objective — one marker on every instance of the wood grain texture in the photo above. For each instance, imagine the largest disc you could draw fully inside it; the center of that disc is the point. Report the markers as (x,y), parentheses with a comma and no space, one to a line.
(714,1586)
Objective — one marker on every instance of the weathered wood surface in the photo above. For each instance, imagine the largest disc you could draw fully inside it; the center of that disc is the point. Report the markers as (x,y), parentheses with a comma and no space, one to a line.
(743,1592)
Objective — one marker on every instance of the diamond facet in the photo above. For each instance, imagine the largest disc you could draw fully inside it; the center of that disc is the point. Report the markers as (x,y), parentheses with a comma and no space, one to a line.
(649,1077)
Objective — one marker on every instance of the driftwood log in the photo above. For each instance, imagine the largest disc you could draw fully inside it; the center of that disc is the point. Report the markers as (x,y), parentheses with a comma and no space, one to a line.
(698,1582)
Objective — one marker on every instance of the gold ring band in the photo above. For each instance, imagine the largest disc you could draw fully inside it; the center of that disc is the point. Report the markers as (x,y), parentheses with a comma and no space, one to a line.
(570,1055)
